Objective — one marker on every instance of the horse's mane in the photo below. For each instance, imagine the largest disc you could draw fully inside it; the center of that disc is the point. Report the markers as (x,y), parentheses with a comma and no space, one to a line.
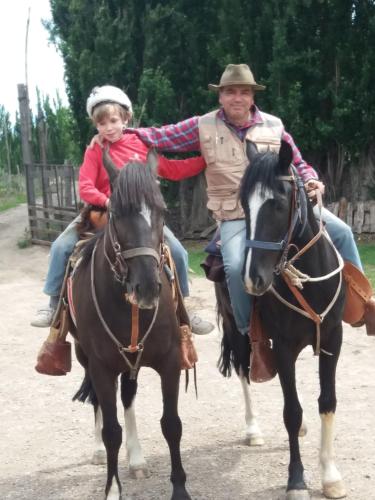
(136,186)
(262,171)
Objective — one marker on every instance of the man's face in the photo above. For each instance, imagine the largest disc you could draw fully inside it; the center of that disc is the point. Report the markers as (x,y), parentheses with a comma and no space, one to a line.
(237,101)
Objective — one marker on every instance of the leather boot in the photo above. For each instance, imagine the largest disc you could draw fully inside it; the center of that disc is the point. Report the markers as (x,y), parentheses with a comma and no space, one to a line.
(54,358)
(360,303)
(262,357)
(369,316)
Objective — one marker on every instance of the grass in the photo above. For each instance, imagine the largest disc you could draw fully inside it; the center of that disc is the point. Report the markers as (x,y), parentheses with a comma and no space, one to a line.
(197,255)
(11,201)
(367,253)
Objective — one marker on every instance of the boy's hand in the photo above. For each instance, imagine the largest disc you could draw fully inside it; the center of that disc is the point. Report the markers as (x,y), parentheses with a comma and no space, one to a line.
(97,139)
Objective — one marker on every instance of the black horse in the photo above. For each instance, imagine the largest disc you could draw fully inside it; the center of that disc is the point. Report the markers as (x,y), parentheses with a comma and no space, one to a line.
(125,319)
(280,217)
(295,272)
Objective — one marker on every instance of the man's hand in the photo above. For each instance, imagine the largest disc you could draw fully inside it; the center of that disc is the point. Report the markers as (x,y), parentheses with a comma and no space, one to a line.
(97,139)
(312,187)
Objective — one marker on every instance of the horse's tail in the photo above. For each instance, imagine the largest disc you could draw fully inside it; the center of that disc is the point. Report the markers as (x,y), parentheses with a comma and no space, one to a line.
(86,392)
(235,348)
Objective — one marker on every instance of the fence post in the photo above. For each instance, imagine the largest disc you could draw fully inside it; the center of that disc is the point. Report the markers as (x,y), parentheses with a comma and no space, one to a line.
(23,98)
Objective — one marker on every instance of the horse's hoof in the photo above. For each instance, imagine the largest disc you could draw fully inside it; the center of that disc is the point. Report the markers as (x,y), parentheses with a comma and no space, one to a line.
(297,495)
(334,490)
(139,472)
(255,440)
(99,457)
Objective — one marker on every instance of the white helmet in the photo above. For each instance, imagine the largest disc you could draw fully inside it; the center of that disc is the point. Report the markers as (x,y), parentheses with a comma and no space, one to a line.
(107,93)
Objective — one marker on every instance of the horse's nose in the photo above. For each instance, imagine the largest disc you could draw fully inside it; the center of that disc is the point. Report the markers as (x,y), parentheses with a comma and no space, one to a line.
(255,285)
(258,283)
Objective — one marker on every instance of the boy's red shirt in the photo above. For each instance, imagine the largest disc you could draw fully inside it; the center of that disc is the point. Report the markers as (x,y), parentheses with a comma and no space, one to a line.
(94,187)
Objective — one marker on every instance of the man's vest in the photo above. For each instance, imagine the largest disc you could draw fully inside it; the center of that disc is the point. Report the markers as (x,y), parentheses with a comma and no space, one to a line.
(226,159)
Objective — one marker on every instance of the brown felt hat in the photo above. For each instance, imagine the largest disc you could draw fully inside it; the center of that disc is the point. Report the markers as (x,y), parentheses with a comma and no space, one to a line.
(236,74)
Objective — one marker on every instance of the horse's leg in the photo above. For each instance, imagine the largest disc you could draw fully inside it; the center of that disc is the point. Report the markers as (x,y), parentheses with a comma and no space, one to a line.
(171,424)
(99,456)
(85,392)
(333,486)
(254,436)
(104,383)
(137,464)
(296,488)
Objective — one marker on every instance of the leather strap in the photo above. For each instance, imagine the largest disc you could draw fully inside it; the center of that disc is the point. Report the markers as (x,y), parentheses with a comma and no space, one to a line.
(306,307)
(135,329)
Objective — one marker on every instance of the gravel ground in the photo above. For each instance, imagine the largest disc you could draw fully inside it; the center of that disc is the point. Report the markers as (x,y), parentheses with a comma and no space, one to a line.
(47,440)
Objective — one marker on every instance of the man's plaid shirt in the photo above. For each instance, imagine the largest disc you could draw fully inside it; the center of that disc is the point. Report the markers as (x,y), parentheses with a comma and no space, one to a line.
(184,136)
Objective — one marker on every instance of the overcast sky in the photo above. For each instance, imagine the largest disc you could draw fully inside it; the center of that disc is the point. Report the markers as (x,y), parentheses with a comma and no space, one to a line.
(45,66)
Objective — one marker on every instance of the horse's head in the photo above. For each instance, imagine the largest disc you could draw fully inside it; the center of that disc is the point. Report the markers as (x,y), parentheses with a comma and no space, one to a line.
(267,196)
(134,234)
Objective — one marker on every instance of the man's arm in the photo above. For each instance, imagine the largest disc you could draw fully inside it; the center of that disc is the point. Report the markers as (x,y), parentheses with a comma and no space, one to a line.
(179,137)
(306,171)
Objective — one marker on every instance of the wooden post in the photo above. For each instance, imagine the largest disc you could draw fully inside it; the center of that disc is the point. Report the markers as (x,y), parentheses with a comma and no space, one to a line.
(23,98)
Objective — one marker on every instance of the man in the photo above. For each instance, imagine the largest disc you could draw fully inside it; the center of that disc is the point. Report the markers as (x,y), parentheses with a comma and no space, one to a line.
(220,136)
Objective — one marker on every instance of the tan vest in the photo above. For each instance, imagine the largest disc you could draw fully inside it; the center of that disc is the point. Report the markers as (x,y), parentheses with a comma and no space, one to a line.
(225,156)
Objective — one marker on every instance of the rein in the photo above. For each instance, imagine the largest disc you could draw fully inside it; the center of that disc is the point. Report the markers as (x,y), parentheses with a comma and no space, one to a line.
(291,275)
(135,346)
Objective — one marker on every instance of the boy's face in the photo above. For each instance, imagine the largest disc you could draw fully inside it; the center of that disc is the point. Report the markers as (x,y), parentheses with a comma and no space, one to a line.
(111,126)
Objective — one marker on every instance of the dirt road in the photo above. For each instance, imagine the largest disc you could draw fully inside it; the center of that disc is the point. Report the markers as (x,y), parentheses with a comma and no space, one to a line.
(46,440)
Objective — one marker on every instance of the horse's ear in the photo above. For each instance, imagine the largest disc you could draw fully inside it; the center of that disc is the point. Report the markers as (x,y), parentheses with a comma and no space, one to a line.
(251,150)
(110,167)
(153,160)
(285,155)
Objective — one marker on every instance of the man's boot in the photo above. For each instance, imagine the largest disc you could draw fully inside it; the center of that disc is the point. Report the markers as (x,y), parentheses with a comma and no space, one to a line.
(54,357)
(359,303)
(262,358)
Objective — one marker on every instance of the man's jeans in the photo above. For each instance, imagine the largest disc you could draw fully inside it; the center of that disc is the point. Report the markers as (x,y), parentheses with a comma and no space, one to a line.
(64,244)
(233,236)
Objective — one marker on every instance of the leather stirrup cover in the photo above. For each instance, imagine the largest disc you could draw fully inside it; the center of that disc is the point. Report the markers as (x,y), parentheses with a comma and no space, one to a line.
(358,292)
(262,357)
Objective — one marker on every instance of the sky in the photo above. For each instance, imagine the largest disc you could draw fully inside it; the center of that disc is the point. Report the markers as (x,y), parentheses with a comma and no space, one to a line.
(45,65)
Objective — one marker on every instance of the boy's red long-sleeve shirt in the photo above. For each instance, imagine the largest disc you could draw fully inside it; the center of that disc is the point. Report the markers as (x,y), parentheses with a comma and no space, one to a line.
(94,187)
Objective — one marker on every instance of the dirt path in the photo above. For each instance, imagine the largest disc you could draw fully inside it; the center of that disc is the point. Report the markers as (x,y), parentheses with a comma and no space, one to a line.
(46,440)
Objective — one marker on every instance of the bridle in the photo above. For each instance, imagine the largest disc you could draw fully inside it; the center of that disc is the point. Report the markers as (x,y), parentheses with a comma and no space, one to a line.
(292,276)
(120,266)
(120,270)
(297,220)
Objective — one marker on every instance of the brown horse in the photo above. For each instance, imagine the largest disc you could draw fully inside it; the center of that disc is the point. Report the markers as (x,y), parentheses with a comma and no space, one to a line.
(119,285)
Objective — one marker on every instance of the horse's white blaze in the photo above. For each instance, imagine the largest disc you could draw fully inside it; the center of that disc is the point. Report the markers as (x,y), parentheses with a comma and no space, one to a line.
(146,214)
(133,447)
(330,473)
(253,433)
(114,491)
(255,202)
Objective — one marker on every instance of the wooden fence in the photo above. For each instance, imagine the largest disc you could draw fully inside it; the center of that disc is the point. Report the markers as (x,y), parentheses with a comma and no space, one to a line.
(359,215)
(52,200)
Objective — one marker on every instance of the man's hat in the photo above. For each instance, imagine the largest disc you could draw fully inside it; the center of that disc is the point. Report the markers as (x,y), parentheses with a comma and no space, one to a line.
(236,74)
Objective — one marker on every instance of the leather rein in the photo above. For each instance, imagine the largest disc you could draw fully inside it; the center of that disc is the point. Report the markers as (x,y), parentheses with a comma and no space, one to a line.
(120,270)
(291,275)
